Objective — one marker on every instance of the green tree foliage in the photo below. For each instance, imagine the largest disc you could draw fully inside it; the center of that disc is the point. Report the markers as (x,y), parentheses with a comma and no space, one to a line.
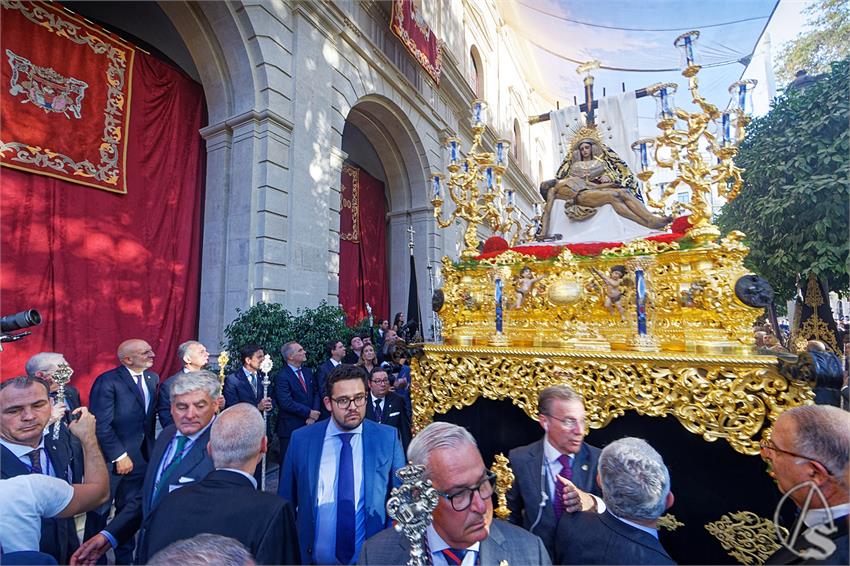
(794,202)
(271,326)
(815,49)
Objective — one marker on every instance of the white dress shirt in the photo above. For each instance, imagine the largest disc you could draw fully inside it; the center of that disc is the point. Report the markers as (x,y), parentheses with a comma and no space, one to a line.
(436,545)
(550,460)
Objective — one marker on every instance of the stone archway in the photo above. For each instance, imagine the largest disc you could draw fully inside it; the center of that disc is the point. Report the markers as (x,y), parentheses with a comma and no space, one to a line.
(403,158)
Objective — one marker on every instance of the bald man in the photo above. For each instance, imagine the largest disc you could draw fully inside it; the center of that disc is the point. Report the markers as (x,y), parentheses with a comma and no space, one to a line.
(124,401)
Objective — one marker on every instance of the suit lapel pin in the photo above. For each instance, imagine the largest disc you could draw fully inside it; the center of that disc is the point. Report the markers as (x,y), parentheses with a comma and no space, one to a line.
(584,467)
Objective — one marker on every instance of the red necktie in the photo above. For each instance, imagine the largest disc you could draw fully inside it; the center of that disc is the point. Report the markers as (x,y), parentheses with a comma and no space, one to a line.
(301,379)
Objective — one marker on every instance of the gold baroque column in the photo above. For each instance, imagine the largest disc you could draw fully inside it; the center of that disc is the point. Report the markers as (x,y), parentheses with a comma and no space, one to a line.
(717,397)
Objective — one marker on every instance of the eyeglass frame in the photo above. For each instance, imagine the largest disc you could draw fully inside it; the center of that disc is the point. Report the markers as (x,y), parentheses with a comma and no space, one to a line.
(489,477)
(768,444)
(348,400)
(564,421)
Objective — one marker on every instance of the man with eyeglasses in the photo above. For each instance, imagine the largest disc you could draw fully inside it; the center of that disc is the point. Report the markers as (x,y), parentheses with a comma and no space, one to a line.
(556,474)
(463,531)
(338,473)
(810,447)
(386,407)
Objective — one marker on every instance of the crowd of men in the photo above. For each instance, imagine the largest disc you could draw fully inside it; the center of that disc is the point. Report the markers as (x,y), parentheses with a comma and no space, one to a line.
(192,489)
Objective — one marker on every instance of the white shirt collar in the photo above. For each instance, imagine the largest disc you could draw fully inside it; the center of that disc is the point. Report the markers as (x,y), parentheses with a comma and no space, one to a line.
(21,450)
(334,430)
(245,474)
(437,544)
(822,515)
(334,362)
(373,398)
(644,528)
(195,436)
(551,453)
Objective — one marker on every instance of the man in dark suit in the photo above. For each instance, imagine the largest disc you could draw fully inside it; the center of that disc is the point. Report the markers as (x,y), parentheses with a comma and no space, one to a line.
(809,450)
(124,401)
(179,458)
(386,407)
(355,347)
(636,489)
(25,410)
(462,529)
(245,385)
(194,357)
(322,468)
(43,365)
(296,394)
(226,502)
(335,351)
(539,497)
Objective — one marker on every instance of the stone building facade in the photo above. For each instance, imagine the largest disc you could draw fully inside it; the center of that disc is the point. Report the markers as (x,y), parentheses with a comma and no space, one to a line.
(293,89)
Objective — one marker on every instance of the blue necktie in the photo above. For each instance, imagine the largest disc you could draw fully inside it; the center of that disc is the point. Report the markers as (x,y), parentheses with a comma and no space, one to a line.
(345,512)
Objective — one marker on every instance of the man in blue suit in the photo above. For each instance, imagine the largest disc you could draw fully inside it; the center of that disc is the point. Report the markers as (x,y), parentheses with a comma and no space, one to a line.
(339,473)
(123,400)
(179,458)
(296,393)
(245,385)
(335,350)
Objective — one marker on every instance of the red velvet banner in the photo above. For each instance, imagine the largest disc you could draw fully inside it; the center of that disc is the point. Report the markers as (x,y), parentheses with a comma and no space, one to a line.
(65,99)
(102,267)
(362,246)
(409,25)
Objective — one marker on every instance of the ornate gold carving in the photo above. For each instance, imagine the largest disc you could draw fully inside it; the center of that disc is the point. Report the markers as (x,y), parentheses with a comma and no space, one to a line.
(745,536)
(717,397)
(815,328)
(353,205)
(669,522)
(223,359)
(691,293)
(504,482)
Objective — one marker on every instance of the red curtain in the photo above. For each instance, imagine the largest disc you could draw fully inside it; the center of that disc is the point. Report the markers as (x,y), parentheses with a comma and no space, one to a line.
(362,246)
(103,267)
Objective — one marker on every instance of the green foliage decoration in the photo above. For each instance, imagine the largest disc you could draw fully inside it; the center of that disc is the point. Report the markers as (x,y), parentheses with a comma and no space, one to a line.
(793,206)
(270,325)
(825,41)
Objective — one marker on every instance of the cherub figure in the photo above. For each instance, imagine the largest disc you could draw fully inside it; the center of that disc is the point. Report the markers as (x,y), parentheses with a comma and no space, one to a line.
(613,295)
(524,284)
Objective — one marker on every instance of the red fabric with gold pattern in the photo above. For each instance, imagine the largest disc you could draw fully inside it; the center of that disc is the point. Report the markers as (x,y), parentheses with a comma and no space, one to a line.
(408,24)
(65,101)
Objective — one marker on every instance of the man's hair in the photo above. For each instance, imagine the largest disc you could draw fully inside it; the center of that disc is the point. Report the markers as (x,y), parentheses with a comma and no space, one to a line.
(24,381)
(42,361)
(823,433)
(556,393)
(437,436)
(344,372)
(287,349)
(350,340)
(330,345)
(236,436)
(634,480)
(378,369)
(202,550)
(183,348)
(201,380)
(247,351)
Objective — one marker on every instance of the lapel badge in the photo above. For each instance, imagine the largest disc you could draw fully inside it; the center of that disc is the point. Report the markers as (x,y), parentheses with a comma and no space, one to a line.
(584,467)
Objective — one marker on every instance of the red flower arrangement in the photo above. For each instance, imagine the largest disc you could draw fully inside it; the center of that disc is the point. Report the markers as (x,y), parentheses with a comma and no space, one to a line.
(496,245)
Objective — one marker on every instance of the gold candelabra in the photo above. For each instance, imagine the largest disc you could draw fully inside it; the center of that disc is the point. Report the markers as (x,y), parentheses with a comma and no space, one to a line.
(702,159)
(223,360)
(474,185)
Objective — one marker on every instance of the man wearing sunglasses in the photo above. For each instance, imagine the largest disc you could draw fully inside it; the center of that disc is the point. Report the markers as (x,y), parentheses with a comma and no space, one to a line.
(463,531)
(556,474)
(338,473)
(808,456)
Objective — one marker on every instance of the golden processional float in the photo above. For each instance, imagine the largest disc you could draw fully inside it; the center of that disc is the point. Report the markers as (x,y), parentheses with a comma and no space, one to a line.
(659,326)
